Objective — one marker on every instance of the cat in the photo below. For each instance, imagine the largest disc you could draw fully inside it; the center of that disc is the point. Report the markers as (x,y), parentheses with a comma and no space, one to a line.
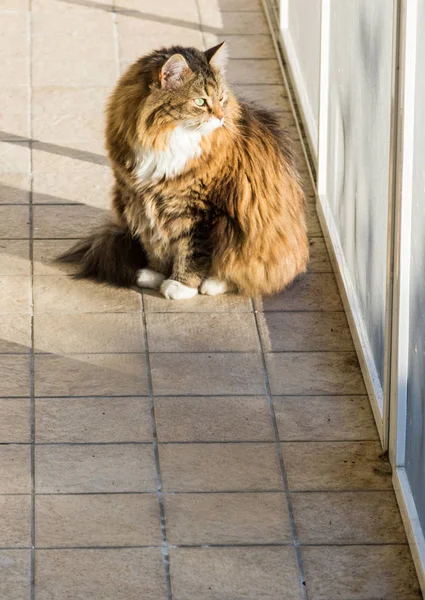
(206,196)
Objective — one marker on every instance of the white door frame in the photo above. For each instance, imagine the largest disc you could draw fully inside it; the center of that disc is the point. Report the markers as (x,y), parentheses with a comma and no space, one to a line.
(401,285)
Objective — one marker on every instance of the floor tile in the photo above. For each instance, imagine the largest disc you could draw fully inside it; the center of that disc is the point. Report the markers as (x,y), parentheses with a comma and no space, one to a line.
(104,332)
(15,574)
(66,295)
(315,373)
(57,6)
(213,419)
(201,332)
(63,157)
(154,302)
(232,5)
(97,23)
(252,71)
(150,12)
(14,257)
(14,4)
(288,123)
(16,295)
(362,572)
(62,47)
(14,222)
(241,46)
(207,374)
(272,97)
(14,22)
(15,420)
(348,518)
(15,331)
(14,98)
(236,573)
(14,156)
(97,520)
(14,375)
(310,418)
(88,152)
(14,188)
(65,221)
(44,254)
(90,374)
(15,523)
(313,224)
(79,183)
(329,466)
(313,291)
(304,331)
(219,467)
(132,46)
(133,23)
(92,420)
(124,574)
(319,257)
(68,114)
(250,518)
(15,476)
(94,468)
(214,21)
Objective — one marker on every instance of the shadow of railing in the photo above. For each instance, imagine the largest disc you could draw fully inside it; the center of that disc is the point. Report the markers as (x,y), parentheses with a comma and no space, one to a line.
(84,155)
(137,14)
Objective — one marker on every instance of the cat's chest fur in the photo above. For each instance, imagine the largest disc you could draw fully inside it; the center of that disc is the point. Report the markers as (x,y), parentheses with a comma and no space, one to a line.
(182,145)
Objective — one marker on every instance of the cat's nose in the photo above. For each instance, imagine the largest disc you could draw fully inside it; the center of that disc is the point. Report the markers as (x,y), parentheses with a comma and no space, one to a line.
(219,113)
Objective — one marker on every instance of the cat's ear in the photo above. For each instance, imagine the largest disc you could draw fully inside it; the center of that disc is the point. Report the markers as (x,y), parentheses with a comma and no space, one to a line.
(173,72)
(217,56)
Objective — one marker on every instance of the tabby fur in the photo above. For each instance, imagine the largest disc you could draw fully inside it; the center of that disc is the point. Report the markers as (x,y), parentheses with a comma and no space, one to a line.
(200,191)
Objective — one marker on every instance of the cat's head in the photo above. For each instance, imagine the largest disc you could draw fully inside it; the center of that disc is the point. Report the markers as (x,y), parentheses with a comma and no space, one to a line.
(189,90)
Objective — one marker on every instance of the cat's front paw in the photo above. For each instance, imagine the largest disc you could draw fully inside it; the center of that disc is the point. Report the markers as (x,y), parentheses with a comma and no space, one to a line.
(212,286)
(147,278)
(174,290)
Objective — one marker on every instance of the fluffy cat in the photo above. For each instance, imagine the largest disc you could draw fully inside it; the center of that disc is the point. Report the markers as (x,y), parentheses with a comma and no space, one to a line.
(206,195)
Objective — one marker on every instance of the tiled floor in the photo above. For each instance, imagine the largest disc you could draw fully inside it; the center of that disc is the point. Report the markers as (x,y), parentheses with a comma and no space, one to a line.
(205,450)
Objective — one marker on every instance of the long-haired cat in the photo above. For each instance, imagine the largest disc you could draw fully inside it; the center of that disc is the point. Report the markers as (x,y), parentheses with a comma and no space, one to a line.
(206,195)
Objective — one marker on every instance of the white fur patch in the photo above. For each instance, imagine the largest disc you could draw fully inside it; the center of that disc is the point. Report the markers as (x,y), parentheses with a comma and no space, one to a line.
(183,145)
(146,278)
(213,287)
(174,290)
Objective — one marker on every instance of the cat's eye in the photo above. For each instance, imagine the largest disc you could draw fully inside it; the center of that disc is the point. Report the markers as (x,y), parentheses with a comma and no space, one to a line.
(200,101)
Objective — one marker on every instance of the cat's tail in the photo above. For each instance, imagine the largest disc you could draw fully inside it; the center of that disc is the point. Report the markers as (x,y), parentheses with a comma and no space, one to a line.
(111,254)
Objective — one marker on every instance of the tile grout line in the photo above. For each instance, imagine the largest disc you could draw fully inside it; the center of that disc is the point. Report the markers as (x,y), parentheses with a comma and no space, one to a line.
(203,546)
(201,29)
(116,38)
(32,354)
(155,448)
(301,576)
(66,397)
(145,354)
(215,492)
(195,442)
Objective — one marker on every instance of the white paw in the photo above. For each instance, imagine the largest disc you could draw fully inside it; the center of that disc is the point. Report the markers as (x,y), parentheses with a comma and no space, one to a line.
(146,278)
(213,287)
(174,290)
